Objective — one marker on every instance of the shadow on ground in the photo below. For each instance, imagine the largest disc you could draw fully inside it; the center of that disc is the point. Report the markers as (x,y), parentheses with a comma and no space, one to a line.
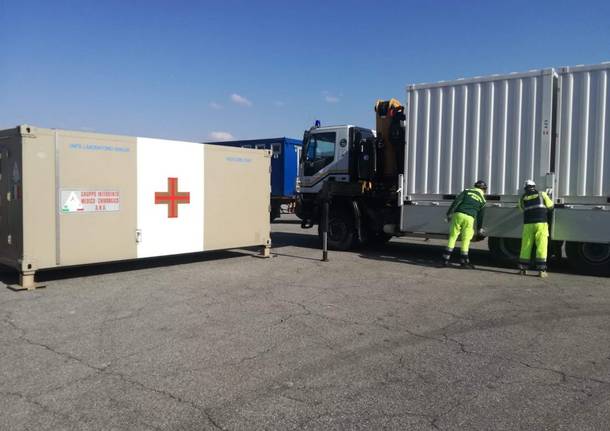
(421,254)
(429,255)
(10,276)
(289,239)
(286,221)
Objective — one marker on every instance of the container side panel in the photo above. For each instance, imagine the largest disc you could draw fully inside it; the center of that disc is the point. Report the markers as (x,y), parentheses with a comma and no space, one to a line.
(424,219)
(460,162)
(96,197)
(170,197)
(436,133)
(583,225)
(412,141)
(503,222)
(487,134)
(444,166)
(11,198)
(583,156)
(489,128)
(39,201)
(291,166)
(236,197)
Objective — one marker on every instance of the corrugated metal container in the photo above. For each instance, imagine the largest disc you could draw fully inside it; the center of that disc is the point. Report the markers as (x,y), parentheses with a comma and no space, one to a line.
(72,198)
(496,128)
(284,162)
(583,142)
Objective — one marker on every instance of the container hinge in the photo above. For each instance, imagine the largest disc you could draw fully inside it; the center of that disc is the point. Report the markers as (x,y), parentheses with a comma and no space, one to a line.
(138,236)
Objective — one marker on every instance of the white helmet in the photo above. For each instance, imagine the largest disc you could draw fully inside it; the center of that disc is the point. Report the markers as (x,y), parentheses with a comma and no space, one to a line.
(529,183)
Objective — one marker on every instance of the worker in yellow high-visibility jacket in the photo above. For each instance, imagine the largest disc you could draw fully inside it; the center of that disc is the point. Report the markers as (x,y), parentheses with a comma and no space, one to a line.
(466,215)
(535,206)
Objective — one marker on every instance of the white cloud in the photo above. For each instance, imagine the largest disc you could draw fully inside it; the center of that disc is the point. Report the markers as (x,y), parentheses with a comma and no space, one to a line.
(221,136)
(329,97)
(215,105)
(240,100)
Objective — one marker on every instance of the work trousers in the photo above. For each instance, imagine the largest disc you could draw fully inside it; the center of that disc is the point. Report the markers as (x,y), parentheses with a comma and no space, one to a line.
(462,226)
(534,234)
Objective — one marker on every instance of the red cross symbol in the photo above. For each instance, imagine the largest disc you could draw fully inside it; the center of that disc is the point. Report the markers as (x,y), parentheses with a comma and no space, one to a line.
(172,197)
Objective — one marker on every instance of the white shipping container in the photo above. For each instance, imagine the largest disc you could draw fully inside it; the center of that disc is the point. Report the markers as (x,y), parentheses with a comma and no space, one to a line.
(583,141)
(495,128)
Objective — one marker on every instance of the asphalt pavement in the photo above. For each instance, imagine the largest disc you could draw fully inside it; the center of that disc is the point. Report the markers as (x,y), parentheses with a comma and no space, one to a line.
(375,339)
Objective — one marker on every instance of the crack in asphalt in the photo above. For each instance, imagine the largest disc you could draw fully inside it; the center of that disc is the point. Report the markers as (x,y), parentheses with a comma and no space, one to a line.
(37,404)
(442,338)
(253,357)
(104,370)
(562,374)
(457,405)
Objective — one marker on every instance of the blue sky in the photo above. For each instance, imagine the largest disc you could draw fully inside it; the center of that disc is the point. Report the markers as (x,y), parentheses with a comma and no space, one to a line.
(198,70)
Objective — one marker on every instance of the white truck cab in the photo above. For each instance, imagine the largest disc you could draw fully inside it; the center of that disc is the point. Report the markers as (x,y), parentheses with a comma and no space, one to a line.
(326,155)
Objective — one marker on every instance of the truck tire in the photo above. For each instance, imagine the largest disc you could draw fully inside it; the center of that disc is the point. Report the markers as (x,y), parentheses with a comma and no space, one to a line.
(505,250)
(275,212)
(341,230)
(589,258)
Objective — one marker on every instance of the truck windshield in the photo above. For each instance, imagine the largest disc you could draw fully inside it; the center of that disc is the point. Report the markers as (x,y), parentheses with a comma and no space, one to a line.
(320,151)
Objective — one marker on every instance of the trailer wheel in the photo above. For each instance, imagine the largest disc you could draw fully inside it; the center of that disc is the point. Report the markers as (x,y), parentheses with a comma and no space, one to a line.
(341,230)
(589,258)
(505,249)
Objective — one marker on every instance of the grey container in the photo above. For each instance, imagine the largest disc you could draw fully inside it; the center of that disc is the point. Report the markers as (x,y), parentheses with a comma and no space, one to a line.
(496,128)
(583,140)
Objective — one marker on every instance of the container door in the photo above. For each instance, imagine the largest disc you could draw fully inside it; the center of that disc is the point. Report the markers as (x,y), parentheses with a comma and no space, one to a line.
(10,202)
(170,197)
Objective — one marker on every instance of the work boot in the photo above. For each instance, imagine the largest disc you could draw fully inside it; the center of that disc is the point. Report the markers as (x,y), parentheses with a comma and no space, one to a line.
(445,263)
(543,274)
(465,263)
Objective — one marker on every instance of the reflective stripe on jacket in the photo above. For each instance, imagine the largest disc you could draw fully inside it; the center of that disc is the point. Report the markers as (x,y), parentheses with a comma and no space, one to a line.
(535,206)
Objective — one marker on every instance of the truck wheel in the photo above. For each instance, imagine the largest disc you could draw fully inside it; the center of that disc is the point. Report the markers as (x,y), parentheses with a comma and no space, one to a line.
(589,258)
(341,231)
(505,249)
(275,212)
